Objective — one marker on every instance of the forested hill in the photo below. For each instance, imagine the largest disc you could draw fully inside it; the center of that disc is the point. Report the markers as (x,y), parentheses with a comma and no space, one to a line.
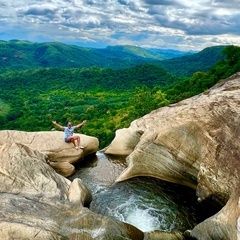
(16,54)
(85,79)
(198,62)
(19,55)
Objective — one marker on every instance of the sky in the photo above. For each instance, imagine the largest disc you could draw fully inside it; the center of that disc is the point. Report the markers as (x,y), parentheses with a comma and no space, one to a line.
(164,24)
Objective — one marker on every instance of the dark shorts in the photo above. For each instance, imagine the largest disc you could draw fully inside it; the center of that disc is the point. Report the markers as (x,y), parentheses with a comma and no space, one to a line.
(66,140)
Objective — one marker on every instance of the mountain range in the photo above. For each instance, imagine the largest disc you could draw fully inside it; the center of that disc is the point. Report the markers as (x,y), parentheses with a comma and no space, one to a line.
(18,55)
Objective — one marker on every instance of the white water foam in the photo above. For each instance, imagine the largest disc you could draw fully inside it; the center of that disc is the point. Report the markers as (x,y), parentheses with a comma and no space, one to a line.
(143,220)
(142,216)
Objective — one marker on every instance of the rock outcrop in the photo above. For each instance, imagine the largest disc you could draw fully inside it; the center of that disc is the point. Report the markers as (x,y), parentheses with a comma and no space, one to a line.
(38,203)
(195,142)
(60,155)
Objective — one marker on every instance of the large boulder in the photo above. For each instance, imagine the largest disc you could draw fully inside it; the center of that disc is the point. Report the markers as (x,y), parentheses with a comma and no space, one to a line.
(38,203)
(195,142)
(60,155)
(223,225)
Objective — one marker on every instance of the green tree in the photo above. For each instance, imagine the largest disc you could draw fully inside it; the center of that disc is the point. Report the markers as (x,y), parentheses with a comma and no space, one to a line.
(145,100)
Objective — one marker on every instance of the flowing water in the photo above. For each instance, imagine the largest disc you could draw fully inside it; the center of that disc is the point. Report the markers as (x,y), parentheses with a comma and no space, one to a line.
(146,203)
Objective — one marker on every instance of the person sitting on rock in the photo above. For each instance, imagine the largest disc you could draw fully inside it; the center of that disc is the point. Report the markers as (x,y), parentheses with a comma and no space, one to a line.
(68,133)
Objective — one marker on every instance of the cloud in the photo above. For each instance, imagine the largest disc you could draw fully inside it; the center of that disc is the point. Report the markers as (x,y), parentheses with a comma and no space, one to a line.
(163,2)
(148,23)
(41,10)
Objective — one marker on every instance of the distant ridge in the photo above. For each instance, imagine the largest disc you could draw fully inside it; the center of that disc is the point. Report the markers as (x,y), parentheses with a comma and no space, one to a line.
(171,53)
(19,55)
(158,54)
(189,64)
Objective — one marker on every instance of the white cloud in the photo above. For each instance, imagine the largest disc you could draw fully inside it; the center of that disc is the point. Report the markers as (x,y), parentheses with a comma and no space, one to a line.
(148,23)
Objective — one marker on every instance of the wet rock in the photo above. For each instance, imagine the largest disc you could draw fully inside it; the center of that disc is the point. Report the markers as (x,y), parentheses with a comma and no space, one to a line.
(78,193)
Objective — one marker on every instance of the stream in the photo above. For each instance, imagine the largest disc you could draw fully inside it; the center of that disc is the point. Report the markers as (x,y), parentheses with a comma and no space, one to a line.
(144,202)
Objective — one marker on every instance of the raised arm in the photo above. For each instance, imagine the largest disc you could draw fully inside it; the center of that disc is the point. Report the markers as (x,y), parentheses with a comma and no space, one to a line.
(80,124)
(58,125)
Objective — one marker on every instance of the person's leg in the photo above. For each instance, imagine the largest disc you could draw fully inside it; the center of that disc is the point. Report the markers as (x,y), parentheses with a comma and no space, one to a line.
(72,140)
(78,141)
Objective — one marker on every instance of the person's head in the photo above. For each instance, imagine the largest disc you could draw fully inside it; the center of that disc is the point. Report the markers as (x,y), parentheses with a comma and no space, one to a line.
(69,125)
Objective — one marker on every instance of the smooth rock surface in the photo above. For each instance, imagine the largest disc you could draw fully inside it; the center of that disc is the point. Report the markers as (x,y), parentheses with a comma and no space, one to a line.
(159,235)
(195,142)
(38,203)
(61,156)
